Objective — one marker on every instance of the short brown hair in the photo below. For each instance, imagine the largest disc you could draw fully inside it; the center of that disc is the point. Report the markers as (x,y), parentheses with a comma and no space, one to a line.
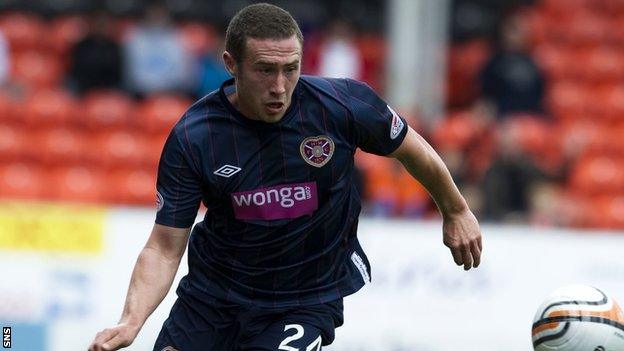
(259,21)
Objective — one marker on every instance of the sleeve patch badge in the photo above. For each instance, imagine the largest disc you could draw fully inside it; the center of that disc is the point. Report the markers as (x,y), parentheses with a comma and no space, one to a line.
(397,124)
(160,202)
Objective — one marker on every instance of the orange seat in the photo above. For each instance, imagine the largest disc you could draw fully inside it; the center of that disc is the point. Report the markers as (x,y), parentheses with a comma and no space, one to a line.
(23,31)
(380,182)
(555,60)
(12,143)
(413,198)
(456,131)
(607,102)
(601,64)
(132,186)
(21,181)
(8,106)
(198,38)
(119,148)
(158,113)
(604,212)
(106,109)
(61,146)
(594,175)
(65,31)
(46,108)
(153,149)
(36,69)
(533,135)
(77,184)
(584,28)
(567,99)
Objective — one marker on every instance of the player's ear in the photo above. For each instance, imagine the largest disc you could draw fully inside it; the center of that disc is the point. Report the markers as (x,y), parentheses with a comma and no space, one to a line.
(230,63)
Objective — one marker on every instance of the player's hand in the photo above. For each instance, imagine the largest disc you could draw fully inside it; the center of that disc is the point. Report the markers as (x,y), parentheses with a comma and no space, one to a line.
(462,235)
(114,338)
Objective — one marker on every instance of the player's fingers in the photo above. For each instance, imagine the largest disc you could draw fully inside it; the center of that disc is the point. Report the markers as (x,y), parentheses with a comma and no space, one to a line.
(467,256)
(476,254)
(114,343)
(101,338)
(457,255)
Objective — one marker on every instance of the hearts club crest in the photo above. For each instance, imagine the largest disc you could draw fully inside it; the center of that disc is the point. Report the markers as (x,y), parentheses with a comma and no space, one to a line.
(317,150)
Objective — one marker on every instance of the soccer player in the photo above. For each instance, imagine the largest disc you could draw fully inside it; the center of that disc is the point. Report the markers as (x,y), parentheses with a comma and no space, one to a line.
(270,154)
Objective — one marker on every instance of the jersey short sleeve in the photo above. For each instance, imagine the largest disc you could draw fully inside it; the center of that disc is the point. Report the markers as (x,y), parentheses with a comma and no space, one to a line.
(378,128)
(178,186)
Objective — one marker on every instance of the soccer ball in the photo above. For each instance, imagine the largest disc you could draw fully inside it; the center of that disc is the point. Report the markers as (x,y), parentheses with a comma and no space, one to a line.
(578,318)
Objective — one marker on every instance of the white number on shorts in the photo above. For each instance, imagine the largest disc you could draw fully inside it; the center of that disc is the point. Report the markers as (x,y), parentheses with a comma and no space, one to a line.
(298,335)
(315,345)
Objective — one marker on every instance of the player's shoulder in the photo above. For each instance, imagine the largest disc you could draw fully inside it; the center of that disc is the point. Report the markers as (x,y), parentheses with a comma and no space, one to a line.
(340,88)
(195,120)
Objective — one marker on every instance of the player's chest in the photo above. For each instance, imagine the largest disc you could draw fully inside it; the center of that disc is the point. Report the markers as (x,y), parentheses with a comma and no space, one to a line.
(250,159)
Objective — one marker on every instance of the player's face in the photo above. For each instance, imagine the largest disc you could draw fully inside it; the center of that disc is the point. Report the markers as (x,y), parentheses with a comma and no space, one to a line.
(266,77)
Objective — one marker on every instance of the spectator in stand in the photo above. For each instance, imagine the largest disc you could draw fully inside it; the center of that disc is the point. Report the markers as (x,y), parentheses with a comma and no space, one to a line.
(96,59)
(511,81)
(339,56)
(4,60)
(155,58)
(508,182)
(212,72)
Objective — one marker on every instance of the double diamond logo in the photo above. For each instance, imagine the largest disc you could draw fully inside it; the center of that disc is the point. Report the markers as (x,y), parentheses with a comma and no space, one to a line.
(227,171)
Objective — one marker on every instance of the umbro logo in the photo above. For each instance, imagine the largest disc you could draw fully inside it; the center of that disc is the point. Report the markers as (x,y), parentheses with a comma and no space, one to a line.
(227,171)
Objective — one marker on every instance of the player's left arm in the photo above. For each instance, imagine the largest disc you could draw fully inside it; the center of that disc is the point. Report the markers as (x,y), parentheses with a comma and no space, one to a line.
(460,227)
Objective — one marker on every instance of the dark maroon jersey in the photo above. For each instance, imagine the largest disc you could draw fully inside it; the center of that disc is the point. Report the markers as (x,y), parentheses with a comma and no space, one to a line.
(283,209)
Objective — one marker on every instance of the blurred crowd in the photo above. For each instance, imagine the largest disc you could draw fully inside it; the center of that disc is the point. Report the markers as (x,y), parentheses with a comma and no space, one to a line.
(87,100)
(535,129)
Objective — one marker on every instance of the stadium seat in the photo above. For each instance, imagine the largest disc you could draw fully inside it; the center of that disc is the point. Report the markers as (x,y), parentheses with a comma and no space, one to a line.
(153,149)
(556,61)
(24,32)
(381,189)
(49,107)
(567,99)
(456,131)
(107,109)
(132,187)
(21,181)
(598,174)
(13,141)
(158,113)
(373,50)
(465,63)
(119,148)
(604,212)
(198,38)
(65,31)
(36,69)
(8,106)
(61,146)
(413,198)
(534,135)
(76,184)
(601,64)
(607,102)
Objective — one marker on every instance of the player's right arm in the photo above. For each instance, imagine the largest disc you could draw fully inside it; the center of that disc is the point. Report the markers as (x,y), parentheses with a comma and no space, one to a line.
(152,277)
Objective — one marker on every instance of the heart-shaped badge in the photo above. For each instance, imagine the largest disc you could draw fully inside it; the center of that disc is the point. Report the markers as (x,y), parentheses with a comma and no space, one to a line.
(317,150)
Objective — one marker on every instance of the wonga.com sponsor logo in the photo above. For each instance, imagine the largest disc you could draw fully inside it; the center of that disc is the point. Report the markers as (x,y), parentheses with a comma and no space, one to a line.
(276,202)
